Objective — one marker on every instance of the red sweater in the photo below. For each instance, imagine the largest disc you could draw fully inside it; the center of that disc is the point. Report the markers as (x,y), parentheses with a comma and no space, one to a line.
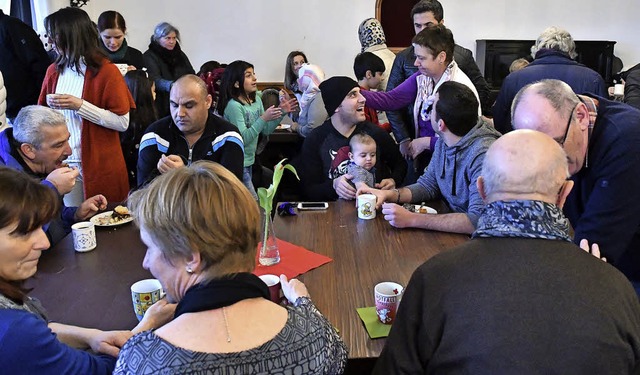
(104,169)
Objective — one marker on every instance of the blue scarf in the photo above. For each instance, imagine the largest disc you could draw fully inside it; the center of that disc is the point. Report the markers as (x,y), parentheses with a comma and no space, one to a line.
(523,218)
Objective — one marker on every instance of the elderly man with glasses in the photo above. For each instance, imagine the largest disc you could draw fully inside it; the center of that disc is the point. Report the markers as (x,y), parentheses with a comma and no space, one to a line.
(602,142)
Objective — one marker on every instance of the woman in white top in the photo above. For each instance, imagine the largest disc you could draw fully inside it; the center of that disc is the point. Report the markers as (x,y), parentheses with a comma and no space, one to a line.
(92,95)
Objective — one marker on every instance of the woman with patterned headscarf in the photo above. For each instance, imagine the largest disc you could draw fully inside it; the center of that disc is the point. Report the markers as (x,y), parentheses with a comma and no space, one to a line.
(372,40)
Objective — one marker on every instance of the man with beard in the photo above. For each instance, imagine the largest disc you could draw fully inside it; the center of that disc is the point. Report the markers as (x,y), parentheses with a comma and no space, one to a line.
(325,152)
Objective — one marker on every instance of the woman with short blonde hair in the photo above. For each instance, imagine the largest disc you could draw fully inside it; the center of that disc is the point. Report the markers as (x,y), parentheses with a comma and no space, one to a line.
(201,228)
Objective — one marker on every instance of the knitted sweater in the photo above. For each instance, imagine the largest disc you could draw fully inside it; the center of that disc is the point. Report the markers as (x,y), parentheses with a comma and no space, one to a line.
(104,169)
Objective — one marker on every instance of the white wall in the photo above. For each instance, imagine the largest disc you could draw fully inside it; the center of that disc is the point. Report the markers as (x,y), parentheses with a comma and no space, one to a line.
(264,32)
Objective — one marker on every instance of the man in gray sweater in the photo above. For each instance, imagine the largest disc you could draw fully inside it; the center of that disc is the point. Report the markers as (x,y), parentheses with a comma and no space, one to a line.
(454,168)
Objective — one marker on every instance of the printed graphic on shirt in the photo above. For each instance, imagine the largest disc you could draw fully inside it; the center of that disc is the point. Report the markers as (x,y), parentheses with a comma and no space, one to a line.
(250,117)
(339,162)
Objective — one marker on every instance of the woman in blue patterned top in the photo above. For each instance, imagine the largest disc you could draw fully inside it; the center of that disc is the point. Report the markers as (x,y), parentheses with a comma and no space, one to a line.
(201,227)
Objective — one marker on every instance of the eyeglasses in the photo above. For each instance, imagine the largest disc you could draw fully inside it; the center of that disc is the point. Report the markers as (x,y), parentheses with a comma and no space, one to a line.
(566,132)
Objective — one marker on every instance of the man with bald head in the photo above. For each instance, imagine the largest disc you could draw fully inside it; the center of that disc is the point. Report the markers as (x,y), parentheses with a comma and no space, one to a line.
(519,298)
(191,133)
(602,142)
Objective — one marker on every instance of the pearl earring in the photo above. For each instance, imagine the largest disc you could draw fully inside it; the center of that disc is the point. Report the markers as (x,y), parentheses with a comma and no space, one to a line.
(189,269)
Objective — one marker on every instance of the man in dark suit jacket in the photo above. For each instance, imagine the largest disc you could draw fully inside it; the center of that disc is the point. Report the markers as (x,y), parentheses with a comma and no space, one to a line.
(632,86)
(426,13)
(23,63)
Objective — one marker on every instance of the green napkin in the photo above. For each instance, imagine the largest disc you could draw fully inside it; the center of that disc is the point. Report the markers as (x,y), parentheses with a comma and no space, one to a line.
(374,328)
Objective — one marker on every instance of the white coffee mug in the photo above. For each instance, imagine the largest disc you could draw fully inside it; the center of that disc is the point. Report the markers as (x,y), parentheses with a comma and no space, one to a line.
(84,236)
(366,206)
(123,68)
(618,89)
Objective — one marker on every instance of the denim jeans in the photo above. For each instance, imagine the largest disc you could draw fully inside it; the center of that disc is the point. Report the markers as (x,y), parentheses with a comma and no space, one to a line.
(246,180)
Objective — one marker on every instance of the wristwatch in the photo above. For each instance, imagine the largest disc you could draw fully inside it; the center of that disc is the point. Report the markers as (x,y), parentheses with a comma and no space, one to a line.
(302,301)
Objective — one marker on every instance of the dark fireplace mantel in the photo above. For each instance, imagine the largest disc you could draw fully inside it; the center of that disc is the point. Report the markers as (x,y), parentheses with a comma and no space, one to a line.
(495,56)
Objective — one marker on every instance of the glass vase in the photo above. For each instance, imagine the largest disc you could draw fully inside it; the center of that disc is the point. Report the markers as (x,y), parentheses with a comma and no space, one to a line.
(269,253)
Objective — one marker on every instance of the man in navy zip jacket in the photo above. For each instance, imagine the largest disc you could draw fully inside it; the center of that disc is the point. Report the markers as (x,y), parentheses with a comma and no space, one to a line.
(555,50)
(190,134)
(602,142)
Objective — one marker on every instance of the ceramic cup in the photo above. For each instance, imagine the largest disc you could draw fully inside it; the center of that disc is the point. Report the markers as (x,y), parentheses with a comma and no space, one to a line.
(388,295)
(84,236)
(273,282)
(145,293)
(618,89)
(49,99)
(122,68)
(366,206)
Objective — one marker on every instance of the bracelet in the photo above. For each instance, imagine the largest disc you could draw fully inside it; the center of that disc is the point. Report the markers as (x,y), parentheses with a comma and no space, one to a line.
(302,301)
(398,199)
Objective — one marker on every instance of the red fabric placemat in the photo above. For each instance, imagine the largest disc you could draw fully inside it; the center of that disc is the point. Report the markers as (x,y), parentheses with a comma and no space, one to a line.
(294,260)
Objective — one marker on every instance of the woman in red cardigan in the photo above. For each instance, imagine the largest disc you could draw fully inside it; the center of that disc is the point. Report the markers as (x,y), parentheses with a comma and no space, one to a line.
(92,95)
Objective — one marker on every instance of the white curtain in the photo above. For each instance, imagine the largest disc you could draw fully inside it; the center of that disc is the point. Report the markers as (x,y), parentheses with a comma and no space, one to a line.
(5,5)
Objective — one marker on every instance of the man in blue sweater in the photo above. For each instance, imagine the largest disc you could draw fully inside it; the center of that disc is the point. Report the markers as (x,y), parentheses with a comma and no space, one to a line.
(37,145)
(453,170)
(602,142)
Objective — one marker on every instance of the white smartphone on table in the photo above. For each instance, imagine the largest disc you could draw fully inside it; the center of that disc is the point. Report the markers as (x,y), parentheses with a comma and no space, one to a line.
(313,205)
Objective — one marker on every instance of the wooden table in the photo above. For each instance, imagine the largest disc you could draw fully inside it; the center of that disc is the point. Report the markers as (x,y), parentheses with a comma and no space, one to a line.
(364,252)
(92,289)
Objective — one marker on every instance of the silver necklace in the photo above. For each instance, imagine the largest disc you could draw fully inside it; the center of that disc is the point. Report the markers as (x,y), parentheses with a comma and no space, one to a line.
(226,324)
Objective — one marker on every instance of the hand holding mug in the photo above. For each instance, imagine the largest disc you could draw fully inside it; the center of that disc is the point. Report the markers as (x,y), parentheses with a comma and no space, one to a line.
(64,101)
(293,289)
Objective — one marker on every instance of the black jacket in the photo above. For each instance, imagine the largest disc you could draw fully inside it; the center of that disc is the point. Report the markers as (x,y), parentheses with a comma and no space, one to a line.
(402,121)
(548,64)
(163,75)
(23,63)
(221,142)
(131,56)
(632,86)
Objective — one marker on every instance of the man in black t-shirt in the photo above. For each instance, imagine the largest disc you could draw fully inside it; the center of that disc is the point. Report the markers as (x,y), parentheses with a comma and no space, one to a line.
(325,152)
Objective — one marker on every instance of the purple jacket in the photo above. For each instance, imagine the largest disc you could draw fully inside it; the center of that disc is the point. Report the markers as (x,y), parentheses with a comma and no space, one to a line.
(398,98)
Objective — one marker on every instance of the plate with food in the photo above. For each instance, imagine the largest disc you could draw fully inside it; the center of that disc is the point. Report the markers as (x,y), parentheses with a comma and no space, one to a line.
(120,215)
(283,126)
(420,208)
